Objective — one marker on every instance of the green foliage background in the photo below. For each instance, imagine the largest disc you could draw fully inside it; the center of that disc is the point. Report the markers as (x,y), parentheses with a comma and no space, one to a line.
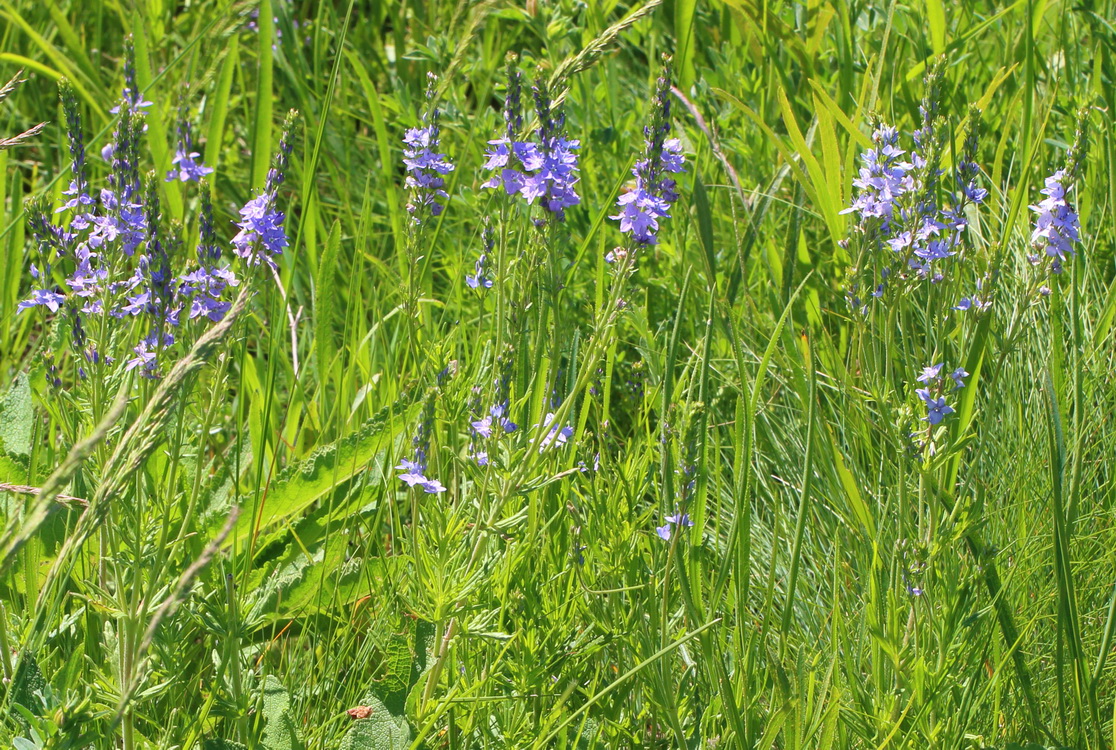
(782,618)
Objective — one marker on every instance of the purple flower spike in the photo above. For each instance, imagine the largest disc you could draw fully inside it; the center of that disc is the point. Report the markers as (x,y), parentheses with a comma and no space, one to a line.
(426,168)
(414,469)
(641,208)
(132,97)
(262,236)
(1056,229)
(543,170)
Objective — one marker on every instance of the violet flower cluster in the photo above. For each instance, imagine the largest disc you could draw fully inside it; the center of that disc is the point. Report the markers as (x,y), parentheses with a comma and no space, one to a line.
(642,207)
(132,96)
(113,259)
(205,285)
(1056,228)
(496,422)
(935,385)
(896,200)
(543,168)
(187,168)
(426,168)
(262,237)
(414,468)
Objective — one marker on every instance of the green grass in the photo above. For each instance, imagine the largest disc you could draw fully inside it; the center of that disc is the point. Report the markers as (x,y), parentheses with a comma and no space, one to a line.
(533,604)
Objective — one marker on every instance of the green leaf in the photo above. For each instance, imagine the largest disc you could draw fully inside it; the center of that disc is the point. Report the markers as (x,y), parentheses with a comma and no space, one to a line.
(13,469)
(17,418)
(382,730)
(214,744)
(279,732)
(27,681)
(684,35)
(935,18)
(216,132)
(304,483)
(705,230)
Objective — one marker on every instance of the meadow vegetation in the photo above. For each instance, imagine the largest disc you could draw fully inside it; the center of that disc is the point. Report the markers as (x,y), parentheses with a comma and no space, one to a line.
(573,374)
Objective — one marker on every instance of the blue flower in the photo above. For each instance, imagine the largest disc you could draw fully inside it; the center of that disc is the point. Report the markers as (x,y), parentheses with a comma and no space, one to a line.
(1056,228)
(262,236)
(641,208)
(544,169)
(132,97)
(48,298)
(187,168)
(882,180)
(261,226)
(483,427)
(957,376)
(682,520)
(556,436)
(414,469)
(425,166)
(640,211)
(78,190)
(930,373)
(205,284)
(937,408)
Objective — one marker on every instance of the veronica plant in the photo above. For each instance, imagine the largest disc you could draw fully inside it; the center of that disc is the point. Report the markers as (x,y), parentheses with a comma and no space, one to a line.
(648,202)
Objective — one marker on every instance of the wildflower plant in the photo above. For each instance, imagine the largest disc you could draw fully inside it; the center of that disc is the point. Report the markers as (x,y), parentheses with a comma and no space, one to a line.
(133,313)
(1057,228)
(233,516)
(541,166)
(648,202)
(185,165)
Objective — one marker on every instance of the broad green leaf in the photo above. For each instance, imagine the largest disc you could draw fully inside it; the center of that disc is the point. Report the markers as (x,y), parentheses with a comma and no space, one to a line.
(17,418)
(220,107)
(308,481)
(27,681)
(705,230)
(936,20)
(279,731)
(382,730)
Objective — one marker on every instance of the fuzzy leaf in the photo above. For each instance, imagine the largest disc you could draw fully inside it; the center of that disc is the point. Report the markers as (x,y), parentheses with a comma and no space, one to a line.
(279,732)
(382,730)
(304,483)
(17,418)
